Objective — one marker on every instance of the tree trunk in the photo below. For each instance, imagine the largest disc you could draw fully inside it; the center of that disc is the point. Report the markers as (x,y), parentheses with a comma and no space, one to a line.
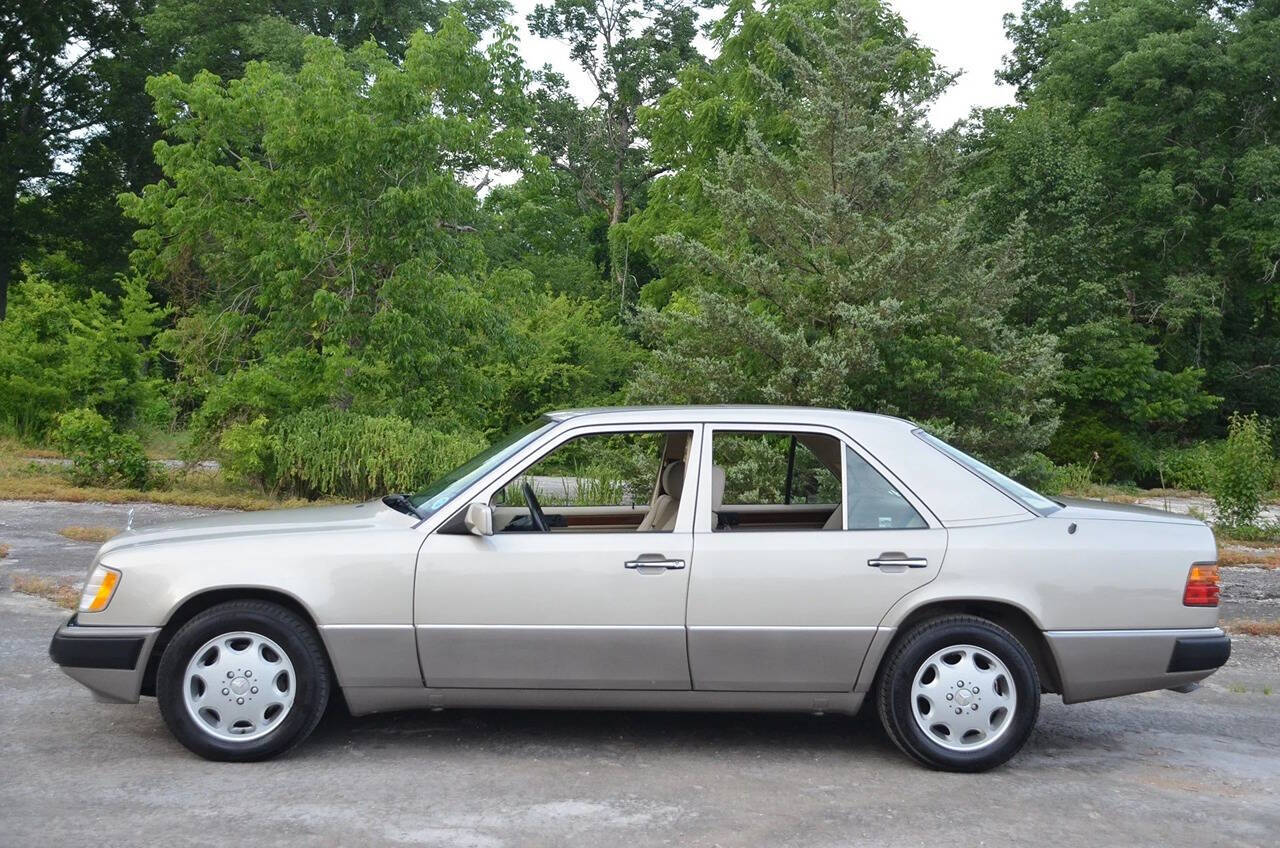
(622,144)
(4,289)
(9,250)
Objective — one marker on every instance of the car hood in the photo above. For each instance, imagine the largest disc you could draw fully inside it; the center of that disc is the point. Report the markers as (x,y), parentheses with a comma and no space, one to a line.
(309,519)
(1078,508)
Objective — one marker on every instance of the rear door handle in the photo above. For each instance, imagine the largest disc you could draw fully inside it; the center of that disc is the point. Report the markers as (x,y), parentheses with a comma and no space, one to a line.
(645,563)
(897,558)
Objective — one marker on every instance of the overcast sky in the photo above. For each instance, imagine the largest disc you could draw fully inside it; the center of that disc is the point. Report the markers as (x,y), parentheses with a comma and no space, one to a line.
(966,35)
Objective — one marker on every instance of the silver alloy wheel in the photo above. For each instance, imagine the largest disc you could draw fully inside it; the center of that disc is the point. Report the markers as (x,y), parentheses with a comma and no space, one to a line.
(963,698)
(239,686)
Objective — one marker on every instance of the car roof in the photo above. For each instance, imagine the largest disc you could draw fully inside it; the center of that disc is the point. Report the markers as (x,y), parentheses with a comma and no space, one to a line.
(733,413)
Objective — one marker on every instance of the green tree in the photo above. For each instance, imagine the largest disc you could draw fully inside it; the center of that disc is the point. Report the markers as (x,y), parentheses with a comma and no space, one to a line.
(715,104)
(536,224)
(58,352)
(223,37)
(632,51)
(50,93)
(1144,163)
(318,228)
(844,272)
(77,215)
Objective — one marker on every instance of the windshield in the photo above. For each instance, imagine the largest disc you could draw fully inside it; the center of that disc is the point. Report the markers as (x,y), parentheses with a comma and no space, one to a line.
(1032,500)
(447,487)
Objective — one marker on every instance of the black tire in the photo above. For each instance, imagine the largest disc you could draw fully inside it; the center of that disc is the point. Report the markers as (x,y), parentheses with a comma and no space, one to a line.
(893,695)
(294,635)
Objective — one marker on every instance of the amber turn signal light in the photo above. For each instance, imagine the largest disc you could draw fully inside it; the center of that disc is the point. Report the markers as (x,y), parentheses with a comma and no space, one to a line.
(1202,586)
(99,588)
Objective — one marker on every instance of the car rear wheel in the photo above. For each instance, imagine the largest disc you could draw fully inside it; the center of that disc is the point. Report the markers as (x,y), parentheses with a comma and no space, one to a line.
(243,680)
(959,693)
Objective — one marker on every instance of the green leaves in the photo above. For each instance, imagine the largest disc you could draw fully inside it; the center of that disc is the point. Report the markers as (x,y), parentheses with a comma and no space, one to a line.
(836,266)
(58,353)
(1244,476)
(330,213)
(1141,160)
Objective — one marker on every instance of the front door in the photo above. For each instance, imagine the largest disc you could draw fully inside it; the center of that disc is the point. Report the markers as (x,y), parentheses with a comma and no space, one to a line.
(596,600)
(802,547)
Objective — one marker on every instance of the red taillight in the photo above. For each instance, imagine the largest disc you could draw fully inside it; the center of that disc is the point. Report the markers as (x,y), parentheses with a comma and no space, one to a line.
(1202,586)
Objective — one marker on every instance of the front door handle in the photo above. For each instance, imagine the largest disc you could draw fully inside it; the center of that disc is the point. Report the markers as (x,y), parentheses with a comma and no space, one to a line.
(897,558)
(648,561)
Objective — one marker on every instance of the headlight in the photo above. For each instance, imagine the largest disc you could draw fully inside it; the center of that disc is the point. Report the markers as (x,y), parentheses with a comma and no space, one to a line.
(99,588)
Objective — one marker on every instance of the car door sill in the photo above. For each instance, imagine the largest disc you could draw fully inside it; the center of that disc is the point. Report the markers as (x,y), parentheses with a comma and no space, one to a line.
(362,700)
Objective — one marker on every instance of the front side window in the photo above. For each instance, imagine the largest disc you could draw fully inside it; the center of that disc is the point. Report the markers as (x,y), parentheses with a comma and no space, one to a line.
(598,482)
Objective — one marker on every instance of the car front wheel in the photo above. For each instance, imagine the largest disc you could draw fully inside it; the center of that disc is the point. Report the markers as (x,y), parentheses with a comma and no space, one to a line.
(243,680)
(959,693)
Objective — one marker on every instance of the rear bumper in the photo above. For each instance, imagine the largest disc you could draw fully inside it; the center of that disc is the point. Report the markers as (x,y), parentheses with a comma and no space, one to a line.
(1200,653)
(110,661)
(1105,663)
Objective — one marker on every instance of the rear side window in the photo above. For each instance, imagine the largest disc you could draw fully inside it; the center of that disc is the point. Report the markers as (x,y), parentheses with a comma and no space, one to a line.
(871,502)
(778,468)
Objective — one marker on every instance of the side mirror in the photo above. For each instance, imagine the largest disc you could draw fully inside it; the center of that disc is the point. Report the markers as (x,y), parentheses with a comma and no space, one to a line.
(479,519)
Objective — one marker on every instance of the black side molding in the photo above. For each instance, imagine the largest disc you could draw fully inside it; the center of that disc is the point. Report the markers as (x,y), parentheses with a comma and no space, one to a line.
(114,652)
(1198,653)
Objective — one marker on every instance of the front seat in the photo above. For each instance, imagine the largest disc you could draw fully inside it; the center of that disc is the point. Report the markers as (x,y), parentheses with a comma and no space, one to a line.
(662,514)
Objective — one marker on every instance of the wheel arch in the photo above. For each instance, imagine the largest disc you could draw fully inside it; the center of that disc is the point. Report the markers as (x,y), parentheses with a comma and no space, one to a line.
(1010,616)
(197,603)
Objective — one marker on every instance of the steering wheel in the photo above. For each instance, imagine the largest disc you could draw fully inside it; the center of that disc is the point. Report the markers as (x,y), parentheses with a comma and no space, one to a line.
(535,509)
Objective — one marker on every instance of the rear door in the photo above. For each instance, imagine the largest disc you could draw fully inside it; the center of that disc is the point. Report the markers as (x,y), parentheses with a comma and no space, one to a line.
(789,598)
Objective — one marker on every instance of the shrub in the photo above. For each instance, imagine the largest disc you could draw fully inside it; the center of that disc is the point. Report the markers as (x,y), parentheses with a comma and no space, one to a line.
(99,455)
(1114,455)
(1193,467)
(59,353)
(246,450)
(1073,478)
(327,452)
(1244,471)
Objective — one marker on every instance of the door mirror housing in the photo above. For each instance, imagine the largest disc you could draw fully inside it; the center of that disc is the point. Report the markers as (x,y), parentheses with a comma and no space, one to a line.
(479,519)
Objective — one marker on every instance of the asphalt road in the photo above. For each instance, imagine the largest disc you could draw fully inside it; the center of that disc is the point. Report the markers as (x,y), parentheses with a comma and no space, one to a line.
(1159,769)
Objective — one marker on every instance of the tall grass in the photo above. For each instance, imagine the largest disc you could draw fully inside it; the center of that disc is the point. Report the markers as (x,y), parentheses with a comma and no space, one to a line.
(328,452)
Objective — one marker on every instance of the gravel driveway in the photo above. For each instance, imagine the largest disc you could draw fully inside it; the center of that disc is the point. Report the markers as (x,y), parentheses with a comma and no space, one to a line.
(1158,769)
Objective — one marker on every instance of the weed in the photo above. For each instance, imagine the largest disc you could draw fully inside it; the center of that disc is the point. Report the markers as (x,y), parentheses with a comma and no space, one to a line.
(1249,557)
(1244,471)
(98,535)
(1253,627)
(61,592)
(1245,534)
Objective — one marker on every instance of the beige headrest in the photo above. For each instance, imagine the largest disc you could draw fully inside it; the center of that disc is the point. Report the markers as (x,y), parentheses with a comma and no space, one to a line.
(717,487)
(673,478)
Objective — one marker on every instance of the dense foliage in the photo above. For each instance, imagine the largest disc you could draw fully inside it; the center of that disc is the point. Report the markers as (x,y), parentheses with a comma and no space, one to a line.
(842,268)
(343,245)
(99,455)
(1242,480)
(1142,157)
(59,353)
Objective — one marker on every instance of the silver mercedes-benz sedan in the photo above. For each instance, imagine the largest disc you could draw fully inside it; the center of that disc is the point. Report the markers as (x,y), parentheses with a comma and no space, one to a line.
(681,558)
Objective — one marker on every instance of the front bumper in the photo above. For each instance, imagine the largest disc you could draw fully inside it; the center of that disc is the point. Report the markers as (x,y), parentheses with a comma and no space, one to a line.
(1104,663)
(110,661)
